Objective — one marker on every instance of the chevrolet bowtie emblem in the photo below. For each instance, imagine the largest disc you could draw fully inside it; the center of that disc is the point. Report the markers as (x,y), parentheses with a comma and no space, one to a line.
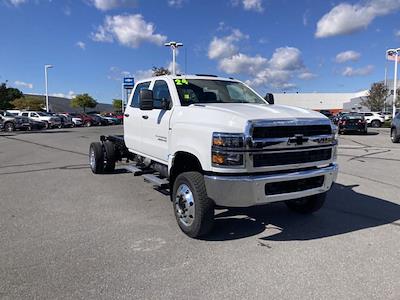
(298,139)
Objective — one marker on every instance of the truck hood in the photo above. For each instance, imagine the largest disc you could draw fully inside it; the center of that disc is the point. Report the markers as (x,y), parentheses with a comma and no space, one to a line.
(257,111)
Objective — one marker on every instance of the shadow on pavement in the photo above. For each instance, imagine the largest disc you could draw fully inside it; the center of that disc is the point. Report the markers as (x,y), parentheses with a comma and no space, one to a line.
(345,211)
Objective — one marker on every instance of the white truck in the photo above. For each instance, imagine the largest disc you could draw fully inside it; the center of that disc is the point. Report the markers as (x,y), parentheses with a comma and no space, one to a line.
(50,121)
(214,142)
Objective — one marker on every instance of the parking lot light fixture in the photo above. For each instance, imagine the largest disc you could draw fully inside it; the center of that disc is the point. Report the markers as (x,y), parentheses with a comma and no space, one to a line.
(173,45)
(46,67)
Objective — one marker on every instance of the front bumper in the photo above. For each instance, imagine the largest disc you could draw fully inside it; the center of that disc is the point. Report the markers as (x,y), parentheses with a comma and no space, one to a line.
(249,190)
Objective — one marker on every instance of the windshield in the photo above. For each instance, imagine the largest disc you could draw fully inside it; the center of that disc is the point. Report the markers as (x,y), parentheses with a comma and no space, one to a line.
(193,91)
(6,114)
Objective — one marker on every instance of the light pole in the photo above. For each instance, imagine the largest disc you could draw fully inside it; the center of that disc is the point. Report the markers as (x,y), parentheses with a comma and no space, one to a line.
(173,46)
(46,83)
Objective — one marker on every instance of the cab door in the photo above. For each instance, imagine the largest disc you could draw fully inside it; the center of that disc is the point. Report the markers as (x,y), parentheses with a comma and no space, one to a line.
(133,119)
(155,123)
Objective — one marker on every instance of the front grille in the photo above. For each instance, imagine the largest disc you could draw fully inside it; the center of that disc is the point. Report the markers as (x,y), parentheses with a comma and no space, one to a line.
(290,131)
(293,186)
(288,158)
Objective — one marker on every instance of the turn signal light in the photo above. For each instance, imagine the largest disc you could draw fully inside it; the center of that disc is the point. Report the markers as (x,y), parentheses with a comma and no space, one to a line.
(218,159)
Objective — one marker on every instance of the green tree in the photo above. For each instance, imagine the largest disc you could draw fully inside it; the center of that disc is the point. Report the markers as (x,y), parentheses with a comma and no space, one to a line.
(117,104)
(159,71)
(84,101)
(377,95)
(7,95)
(29,103)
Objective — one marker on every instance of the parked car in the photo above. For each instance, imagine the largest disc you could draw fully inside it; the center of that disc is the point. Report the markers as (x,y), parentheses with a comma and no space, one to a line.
(373,119)
(51,121)
(327,113)
(387,115)
(395,129)
(120,117)
(87,121)
(99,120)
(352,123)
(10,122)
(112,120)
(75,120)
(66,121)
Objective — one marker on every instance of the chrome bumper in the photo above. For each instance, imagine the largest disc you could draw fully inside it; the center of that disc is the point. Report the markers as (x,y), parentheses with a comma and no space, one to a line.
(244,191)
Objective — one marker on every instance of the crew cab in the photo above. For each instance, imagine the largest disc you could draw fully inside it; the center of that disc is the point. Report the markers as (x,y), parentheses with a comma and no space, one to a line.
(51,121)
(215,142)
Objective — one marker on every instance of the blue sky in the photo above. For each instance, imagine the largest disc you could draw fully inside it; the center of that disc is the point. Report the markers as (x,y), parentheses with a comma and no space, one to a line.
(304,45)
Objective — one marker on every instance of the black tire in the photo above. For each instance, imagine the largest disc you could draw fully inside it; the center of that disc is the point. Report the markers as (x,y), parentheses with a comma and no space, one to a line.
(376,123)
(48,126)
(203,219)
(9,127)
(109,150)
(72,125)
(307,205)
(88,124)
(394,137)
(96,158)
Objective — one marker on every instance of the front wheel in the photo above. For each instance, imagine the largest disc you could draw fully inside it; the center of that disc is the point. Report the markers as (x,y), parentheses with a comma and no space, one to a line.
(307,205)
(9,127)
(194,211)
(88,124)
(376,123)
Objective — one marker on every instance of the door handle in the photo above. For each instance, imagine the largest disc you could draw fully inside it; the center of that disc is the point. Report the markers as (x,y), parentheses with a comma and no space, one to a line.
(145,117)
(126,115)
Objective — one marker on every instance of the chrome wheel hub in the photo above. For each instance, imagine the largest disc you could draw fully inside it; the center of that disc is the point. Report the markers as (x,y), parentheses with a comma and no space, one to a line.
(92,159)
(184,205)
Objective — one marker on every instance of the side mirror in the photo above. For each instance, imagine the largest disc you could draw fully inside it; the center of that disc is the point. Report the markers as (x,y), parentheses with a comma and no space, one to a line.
(146,101)
(269,98)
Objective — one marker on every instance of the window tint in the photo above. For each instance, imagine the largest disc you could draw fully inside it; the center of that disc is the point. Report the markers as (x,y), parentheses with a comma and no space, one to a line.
(140,86)
(24,114)
(368,114)
(161,91)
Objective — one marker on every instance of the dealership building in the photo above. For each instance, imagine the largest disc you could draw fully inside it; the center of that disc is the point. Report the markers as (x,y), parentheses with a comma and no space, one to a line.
(335,102)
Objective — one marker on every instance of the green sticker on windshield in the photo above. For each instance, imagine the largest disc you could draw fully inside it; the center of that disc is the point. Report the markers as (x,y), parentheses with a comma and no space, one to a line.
(186,96)
(181,82)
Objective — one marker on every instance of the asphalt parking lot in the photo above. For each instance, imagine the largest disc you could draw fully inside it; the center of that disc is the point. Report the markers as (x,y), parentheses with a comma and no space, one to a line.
(66,233)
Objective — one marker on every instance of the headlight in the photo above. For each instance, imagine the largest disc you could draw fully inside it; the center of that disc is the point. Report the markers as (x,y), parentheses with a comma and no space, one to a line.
(227,149)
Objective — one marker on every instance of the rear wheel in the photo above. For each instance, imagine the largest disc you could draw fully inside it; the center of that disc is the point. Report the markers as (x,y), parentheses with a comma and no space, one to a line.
(394,136)
(194,211)
(96,158)
(307,205)
(88,124)
(109,150)
(9,127)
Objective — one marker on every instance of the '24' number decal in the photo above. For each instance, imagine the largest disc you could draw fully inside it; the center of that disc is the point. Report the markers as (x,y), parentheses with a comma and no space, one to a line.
(181,82)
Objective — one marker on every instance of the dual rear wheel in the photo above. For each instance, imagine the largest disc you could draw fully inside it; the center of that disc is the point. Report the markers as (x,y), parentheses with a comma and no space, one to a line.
(102,157)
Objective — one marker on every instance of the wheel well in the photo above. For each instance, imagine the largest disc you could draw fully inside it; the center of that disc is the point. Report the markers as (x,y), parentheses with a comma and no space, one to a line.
(183,162)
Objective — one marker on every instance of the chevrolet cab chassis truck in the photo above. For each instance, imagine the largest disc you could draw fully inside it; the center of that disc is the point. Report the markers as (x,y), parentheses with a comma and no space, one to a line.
(214,142)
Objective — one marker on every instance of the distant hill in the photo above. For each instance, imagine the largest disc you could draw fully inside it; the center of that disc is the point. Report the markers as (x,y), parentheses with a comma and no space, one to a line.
(59,104)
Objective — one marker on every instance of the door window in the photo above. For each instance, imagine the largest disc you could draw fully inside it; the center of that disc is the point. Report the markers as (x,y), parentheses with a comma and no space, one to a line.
(139,87)
(24,114)
(160,92)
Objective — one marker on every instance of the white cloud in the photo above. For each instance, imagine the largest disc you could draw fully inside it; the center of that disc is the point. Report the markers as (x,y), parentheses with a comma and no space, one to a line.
(24,84)
(69,95)
(254,5)
(16,2)
(306,75)
(241,63)
(143,74)
(111,4)
(117,74)
(287,58)
(225,46)
(81,45)
(397,33)
(176,3)
(350,72)
(128,30)
(349,55)
(347,18)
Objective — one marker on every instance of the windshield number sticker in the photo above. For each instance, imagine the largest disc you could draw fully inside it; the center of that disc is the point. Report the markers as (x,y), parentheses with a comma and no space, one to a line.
(181,82)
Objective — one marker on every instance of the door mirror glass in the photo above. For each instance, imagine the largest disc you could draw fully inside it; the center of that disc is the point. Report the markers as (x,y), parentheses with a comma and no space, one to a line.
(269,98)
(146,101)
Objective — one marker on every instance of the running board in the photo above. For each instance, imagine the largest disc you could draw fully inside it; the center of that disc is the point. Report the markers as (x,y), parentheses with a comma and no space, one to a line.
(157,181)
(137,171)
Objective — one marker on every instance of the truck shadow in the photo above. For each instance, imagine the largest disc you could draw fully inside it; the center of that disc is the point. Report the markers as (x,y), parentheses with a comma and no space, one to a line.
(345,211)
